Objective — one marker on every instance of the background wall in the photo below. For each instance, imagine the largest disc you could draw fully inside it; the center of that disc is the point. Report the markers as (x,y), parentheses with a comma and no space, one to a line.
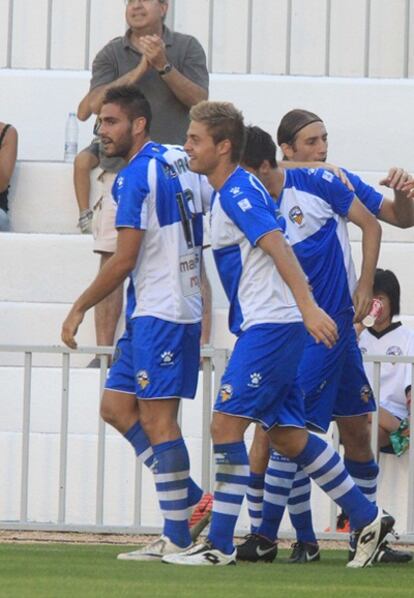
(350,38)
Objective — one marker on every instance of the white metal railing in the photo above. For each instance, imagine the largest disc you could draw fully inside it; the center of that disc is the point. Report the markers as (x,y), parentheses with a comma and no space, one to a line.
(215,361)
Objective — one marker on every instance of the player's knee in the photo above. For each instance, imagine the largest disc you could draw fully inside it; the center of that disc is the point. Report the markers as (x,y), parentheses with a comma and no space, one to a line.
(85,162)
(108,412)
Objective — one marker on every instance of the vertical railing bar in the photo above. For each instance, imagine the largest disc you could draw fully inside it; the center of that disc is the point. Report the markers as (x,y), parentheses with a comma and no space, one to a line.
(249,40)
(332,505)
(87,34)
(328,38)
(410,498)
(100,474)
(205,425)
(376,390)
(406,69)
(63,438)
(138,493)
(288,37)
(27,387)
(49,34)
(220,362)
(210,36)
(10,35)
(367,37)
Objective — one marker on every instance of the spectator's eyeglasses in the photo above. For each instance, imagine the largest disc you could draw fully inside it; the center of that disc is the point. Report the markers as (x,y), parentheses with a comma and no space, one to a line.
(130,2)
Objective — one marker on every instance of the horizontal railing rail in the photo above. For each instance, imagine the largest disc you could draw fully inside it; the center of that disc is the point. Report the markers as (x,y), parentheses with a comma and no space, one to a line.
(214,362)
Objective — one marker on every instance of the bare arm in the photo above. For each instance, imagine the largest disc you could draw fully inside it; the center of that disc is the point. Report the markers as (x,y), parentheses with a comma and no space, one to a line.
(185,90)
(111,275)
(399,212)
(8,155)
(289,164)
(95,96)
(317,322)
(371,238)
(84,108)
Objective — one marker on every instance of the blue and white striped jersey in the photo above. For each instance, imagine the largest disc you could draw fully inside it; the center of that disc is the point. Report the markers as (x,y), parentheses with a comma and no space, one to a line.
(157,192)
(315,204)
(241,213)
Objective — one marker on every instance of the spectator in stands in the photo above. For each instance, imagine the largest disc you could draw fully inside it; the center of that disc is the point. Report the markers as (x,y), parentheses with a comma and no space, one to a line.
(170,69)
(388,337)
(8,155)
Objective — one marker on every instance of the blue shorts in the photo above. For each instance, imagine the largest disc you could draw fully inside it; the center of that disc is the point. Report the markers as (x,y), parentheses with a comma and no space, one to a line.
(333,380)
(260,376)
(155,359)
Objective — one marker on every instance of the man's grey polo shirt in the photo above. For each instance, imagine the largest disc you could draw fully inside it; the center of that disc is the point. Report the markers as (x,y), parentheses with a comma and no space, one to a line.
(170,117)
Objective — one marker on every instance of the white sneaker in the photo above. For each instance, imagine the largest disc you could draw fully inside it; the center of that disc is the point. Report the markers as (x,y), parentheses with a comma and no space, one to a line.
(369,538)
(201,555)
(154,551)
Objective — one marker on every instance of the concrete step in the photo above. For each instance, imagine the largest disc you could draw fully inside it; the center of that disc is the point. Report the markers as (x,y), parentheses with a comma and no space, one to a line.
(56,268)
(42,200)
(42,131)
(25,323)
(42,267)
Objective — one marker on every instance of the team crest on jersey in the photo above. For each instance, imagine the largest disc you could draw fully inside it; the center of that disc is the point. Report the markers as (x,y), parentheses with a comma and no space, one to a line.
(255,380)
(394,350)
(365,393)
(244,204)
(363,350)
(226,392)
(120,182)
(143,378)
(296,216)
(167,358)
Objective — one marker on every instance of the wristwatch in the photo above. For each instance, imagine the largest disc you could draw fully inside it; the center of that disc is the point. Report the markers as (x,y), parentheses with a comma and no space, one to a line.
(166,69)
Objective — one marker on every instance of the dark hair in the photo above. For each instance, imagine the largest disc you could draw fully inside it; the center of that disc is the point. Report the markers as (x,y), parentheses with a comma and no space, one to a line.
(223,121)
(292,123)
(386,282)
(132,101)
(259,146)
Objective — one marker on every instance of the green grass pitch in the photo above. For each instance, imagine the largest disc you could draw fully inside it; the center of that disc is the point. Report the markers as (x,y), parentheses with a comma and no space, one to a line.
(82,571)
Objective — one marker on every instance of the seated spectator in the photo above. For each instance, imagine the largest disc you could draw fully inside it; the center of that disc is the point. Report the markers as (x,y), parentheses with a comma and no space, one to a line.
(8,154)
(390,338)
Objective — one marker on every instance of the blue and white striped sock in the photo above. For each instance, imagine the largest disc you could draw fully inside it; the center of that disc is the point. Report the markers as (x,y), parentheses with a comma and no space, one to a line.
(143,450)
(299,507)
(323,464)
(278,483)
(254,496)
(171,469)
(232,478)
(365,476)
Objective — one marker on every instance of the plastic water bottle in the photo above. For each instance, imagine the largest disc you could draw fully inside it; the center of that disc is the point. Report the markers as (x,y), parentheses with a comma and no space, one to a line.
(71,138)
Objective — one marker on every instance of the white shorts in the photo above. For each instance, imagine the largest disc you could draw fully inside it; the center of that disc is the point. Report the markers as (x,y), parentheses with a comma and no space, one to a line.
(104,212)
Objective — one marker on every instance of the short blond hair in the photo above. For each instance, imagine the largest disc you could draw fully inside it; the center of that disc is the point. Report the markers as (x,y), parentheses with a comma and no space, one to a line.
(223,121)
